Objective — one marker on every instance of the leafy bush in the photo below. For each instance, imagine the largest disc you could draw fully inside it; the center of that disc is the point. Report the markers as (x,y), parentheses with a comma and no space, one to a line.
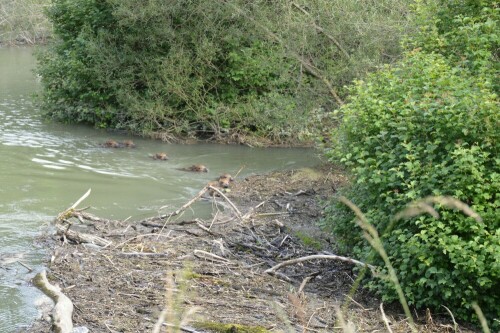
(208,68)
(465,32)
(427,126)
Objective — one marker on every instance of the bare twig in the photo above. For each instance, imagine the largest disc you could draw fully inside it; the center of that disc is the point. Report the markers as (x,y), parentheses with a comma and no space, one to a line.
(303,284)
(70,210)
(177,212)
(455,325)
(210,256)
(145,254)
(357,303)
(384,318)
(237,173)
(318,256)
(139,236)
(233,206)
(25,266)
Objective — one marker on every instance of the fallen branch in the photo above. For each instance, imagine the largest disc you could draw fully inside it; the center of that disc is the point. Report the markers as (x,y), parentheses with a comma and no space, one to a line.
(80,238)
(68,212)
(148,221)
(210,256)
(233,206)
(25,266)
(139,236)
(63,308)
(318,256)
(145,254)
(384,318)
(303,284)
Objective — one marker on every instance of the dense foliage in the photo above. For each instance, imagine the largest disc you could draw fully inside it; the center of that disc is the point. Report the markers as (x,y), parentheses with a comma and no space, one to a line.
(429,126)
(212,68)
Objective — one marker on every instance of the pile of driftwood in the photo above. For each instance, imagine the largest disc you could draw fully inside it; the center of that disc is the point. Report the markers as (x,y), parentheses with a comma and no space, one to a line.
(68,231)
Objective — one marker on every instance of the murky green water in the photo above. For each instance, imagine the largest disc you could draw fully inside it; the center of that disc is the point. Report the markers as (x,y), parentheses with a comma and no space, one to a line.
(45,167)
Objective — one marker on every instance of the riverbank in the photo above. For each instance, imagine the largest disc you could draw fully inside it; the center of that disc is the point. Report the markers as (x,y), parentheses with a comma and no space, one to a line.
(220,271)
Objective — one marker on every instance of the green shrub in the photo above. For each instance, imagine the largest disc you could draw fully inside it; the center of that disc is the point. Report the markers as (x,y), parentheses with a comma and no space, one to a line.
(465,32)
(429,126)
(209,68)
(417,129)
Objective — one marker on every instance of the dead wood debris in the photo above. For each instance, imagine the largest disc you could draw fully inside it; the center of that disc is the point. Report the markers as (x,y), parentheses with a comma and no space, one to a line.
(63,308)
(115,271)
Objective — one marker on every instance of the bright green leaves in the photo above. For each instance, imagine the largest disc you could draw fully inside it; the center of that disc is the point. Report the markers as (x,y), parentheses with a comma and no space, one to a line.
(429,125)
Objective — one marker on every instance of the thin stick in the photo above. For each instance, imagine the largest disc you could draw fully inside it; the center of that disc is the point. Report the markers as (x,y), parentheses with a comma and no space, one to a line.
(207,255)
(25,266)
(190,202)
(303,284)
(213,220)
(384,318)
(238,213)
(178,211)
(455,325)
(352,300)
(270,214)
(241,169)
(139,236)
(68,211)
(81,199)
(145,254)
(284,239)
(318,256)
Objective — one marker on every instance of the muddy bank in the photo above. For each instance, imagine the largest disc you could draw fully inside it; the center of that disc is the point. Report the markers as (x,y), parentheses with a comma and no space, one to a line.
(210,275)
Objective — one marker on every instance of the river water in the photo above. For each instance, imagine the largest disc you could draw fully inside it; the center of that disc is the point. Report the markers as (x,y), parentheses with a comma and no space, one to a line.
(45,167)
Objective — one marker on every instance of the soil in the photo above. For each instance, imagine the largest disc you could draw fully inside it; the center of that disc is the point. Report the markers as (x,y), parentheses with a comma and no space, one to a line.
(205,273)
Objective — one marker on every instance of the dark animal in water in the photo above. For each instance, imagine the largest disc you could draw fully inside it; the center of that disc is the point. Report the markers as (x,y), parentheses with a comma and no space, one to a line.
(128,144)
(111,144)
(196,168)
(225,180)
(160,156)
(114,144)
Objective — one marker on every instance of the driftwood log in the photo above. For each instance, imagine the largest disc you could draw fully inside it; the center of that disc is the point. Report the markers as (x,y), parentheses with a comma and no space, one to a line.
(63,308)
(79,237)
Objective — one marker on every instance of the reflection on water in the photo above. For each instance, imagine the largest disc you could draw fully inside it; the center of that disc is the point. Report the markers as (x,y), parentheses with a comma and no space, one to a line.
(45,167)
